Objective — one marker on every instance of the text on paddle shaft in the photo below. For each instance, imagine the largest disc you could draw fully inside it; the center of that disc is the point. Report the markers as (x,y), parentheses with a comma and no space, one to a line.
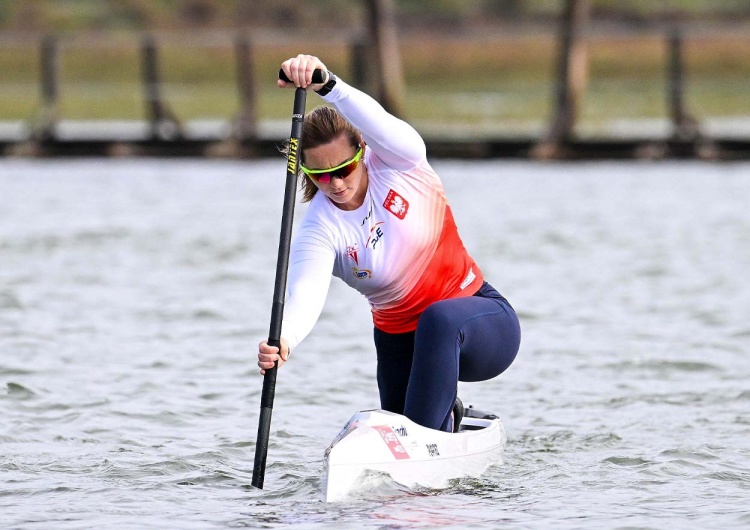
(291,165)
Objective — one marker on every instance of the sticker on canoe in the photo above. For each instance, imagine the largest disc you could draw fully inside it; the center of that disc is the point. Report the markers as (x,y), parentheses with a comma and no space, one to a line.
(391,440)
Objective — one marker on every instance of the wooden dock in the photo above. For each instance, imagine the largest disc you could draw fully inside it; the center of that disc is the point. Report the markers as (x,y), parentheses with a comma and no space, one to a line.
(375,64)
(216,142)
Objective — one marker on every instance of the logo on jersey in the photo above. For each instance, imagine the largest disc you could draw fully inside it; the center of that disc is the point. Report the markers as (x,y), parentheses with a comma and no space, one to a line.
(369,214)
(376,234)
(396,204)
(362,274)
(469,278)
(352,251)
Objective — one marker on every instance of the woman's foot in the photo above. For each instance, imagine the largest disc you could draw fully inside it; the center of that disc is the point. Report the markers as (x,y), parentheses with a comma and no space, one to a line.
(457,414)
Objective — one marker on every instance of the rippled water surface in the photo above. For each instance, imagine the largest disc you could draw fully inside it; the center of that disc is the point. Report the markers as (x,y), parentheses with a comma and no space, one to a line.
(133,293)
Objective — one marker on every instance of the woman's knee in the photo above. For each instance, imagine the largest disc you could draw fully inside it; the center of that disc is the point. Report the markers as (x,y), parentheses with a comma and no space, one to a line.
(438,317)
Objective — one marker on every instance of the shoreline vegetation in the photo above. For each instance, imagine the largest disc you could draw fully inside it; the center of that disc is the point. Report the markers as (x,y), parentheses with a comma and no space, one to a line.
(479,75)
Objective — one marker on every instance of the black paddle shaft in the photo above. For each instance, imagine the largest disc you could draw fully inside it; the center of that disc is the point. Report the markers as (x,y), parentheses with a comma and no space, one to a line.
(282,264)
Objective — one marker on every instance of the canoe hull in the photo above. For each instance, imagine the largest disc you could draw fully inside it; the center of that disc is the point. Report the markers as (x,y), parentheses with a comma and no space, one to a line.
(412,455)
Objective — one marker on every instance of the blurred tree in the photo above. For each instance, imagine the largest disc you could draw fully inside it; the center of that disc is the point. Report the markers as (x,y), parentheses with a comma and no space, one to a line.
(198,12)
(27,15)
(42,15)
(509,9)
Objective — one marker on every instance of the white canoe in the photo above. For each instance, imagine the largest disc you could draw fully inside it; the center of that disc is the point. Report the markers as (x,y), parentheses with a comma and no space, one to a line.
(412,455)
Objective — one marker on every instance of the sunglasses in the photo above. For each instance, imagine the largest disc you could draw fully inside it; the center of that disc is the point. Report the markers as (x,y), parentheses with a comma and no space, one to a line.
(341,171)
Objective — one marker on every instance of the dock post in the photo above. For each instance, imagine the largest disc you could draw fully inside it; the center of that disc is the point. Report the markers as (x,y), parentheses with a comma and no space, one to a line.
(163,123)
(684,126)
(383,36)
(44,126)
(243,140)
(245,126)
(571,79)
(686,139)
(362,60)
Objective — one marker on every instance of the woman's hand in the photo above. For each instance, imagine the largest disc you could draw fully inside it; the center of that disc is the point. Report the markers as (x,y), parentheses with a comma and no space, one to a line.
(267,355)
(300,69)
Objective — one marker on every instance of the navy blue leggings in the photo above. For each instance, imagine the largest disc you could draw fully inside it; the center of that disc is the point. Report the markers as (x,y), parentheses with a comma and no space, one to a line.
(473,338)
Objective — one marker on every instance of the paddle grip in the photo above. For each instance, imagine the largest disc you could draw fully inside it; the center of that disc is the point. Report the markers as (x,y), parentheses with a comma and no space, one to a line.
(318,76)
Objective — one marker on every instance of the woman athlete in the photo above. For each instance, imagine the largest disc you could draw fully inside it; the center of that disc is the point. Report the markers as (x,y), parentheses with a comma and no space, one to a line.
(378,219)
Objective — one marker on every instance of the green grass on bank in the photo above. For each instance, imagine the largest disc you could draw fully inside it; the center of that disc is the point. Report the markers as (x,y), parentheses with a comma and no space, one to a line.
(504,83)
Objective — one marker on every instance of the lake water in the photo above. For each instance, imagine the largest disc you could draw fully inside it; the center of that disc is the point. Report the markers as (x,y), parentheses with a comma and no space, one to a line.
(133,294)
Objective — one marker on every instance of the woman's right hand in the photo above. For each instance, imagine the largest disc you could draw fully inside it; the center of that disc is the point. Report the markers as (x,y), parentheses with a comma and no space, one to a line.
(268,355)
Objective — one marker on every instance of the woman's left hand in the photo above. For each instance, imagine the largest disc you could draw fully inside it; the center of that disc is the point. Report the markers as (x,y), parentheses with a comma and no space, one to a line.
(300,70)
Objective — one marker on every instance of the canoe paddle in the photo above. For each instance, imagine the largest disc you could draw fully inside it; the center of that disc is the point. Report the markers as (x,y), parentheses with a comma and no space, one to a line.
(282,264)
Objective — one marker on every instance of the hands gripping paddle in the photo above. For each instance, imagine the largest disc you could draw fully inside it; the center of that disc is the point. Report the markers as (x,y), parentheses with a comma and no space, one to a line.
(282,263)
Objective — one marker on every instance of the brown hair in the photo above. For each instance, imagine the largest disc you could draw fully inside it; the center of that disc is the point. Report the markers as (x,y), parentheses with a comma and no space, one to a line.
(323,125)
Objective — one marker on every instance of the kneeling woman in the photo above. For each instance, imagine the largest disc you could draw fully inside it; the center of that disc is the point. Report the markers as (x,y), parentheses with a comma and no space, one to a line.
(378,219)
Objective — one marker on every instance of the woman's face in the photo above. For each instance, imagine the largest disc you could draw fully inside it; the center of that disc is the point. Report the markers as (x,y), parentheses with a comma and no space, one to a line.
(347,193)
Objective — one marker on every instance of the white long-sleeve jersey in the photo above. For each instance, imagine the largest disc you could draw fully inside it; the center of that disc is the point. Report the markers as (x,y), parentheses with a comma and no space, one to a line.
(400,249)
